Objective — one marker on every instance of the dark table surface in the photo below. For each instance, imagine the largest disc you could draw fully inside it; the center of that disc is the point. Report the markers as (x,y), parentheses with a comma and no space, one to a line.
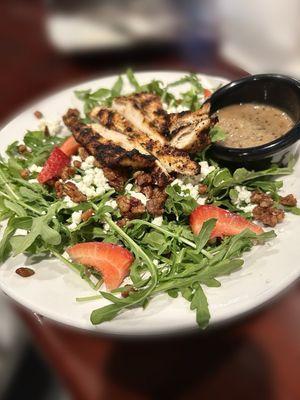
(255,358)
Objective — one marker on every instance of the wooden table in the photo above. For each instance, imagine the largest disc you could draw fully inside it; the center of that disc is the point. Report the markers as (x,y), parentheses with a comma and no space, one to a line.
(256,358)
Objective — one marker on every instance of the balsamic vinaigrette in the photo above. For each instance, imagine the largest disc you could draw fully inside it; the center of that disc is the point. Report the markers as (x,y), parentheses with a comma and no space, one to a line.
(252,124)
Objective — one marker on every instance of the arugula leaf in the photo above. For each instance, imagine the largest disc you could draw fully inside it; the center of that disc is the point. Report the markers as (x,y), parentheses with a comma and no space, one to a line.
(200,304)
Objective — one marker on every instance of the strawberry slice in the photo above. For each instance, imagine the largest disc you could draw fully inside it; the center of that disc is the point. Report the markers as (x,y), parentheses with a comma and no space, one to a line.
(70,146)
(54,165)
(207,93)
(111,260)
(227,224)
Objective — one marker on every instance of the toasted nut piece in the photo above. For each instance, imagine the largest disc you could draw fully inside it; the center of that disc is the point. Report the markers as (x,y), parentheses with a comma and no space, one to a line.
(77,164)
(269,216)
(38,114)
(67,173)
(202,189)
(262,199)
(289,200)
(87,214)
(83,154)
(71,190)
(24,173)
(59,189)
(25,272)
(22,149)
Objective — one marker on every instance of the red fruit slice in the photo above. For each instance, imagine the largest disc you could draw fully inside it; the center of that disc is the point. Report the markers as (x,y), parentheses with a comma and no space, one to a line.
(227,224)
(111,260)
(70,146)
(207,93)
(54,165)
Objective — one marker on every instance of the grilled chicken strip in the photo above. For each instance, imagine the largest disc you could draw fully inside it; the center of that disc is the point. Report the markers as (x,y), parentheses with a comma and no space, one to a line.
(112,150)
(146,113)
(168,158)
(189,130)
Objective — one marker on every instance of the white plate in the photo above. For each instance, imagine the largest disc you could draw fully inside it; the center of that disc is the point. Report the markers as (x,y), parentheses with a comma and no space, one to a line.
(51,292)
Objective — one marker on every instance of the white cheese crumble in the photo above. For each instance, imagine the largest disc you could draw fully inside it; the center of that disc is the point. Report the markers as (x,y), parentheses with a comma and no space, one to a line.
(33,181)
(157,221)
(140,196)
(206,169)
(106,227)
(34,168)
(112,203)
(69,203)
(93,182)
(54,127)
(188,189)
(88,163)
(76,219)
(244,197)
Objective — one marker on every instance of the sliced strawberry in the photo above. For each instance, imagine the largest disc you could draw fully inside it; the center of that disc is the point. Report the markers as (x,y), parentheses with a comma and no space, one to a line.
(111,260)
(207,93)
(227,223)
(54,165)
(70,146)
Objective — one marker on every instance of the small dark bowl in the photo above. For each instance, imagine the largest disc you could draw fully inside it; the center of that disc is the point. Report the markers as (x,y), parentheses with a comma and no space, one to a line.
(277,90)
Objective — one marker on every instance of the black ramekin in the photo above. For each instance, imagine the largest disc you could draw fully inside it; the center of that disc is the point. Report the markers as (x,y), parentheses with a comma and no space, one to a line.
(273,89)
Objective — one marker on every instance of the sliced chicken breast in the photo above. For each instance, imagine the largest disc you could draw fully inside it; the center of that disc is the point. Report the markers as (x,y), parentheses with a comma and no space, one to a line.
(110,148)
(146,113)
(190,130)
(169,159)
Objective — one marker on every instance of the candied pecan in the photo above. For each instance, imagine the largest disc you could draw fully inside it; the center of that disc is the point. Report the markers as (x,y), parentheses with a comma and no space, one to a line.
(25,173)
(67,173)
(143,178)
(130,207)
(129,289)
(147,191)
(51,182)
(156,202)
(122,222)
(269,216)
(262,199)
(38,114)
(159,178)
(71,190)
(116,177)
(25,272)
(202,189)
(59,189)
(77,164)
(86,215)
(83,153)
(22,149)
(289,200)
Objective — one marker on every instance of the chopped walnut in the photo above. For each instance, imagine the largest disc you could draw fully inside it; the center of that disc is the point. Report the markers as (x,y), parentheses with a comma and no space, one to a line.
(130,207)
(83,154)
(146,190)
(86,215)
(59,189)
(71,190)
(122,222)
(143,178)
(202,189)
(67,173)
(24,173)
(22,149)
(77,164)
(269,216)
(262,199)
(289,200)
(38,114)
(156,203)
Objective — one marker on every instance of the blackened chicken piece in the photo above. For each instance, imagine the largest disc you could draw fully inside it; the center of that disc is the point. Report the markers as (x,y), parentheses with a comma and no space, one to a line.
(190,130)
(110,148)
(168,159)
(145,111)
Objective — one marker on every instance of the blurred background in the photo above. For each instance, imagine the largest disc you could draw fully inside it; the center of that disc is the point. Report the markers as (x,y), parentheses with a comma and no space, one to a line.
(46,45)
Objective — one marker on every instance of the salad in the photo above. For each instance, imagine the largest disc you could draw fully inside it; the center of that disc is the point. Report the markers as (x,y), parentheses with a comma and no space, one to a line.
(131,199)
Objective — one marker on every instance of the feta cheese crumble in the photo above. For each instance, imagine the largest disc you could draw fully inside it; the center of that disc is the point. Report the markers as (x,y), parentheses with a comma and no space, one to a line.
(140,196)
(112,203)
(243,201)
(206,169)
(188,189)
(54,127)
(34,168)
(76,219)
(157,221)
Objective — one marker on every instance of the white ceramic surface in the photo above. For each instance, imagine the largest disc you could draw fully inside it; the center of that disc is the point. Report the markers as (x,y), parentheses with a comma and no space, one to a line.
(51,292)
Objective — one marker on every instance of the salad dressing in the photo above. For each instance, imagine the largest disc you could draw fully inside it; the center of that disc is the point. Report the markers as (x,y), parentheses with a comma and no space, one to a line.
(251,124)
